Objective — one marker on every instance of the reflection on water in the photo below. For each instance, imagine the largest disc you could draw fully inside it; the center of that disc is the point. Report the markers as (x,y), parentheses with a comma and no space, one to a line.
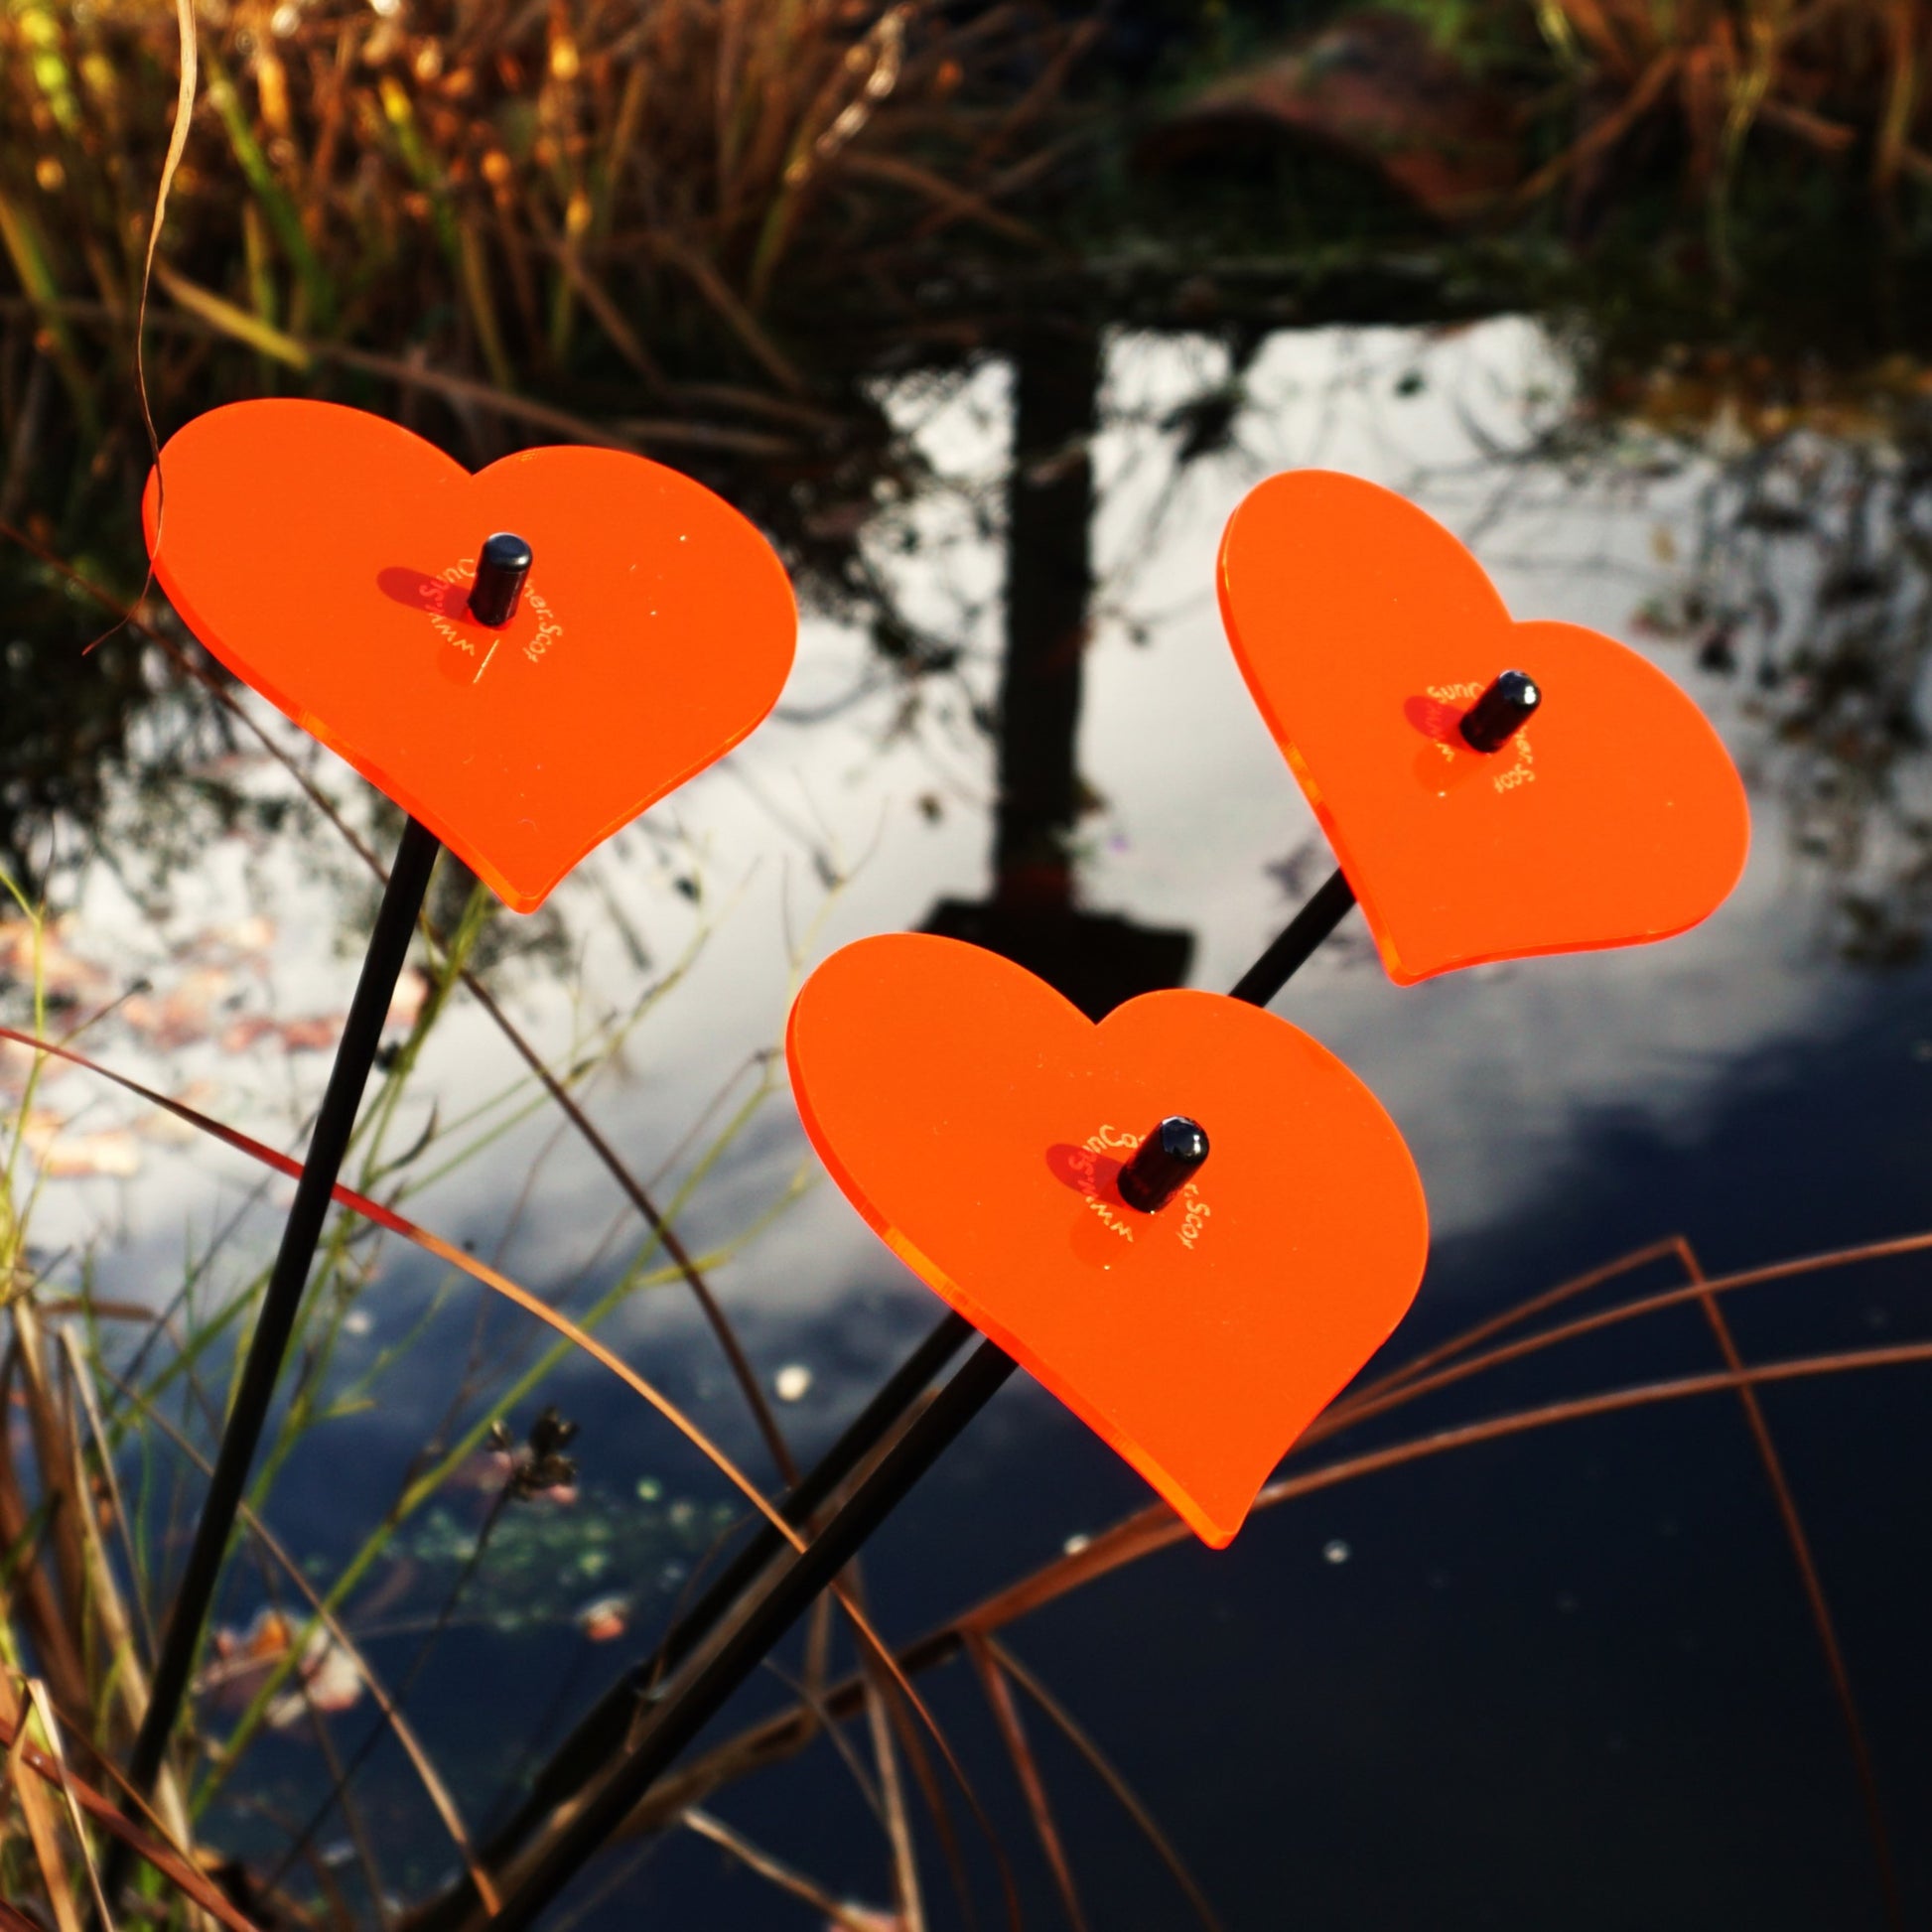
(1582,1656)
(1809,579)
(1098,960)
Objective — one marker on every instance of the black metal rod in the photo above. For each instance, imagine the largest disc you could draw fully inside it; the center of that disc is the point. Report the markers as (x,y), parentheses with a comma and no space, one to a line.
(693,1704)
(867,1429)
(1297,943)
(402,900)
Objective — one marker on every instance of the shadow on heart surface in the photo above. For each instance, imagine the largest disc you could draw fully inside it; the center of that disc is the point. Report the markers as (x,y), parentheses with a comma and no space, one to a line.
(417,590)
(1097,1176)
(1436,720)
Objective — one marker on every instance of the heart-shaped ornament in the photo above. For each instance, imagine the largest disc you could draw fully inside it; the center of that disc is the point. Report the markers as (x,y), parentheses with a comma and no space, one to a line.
(980,1123)
(1366,634)
(325,557)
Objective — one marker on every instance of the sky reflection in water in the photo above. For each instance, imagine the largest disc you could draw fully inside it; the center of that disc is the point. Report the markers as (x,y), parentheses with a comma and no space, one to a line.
(1564,1680)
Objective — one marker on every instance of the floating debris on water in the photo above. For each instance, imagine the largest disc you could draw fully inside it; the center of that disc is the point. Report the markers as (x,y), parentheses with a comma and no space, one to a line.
(605,1556)
(605,1618)
(327,1680)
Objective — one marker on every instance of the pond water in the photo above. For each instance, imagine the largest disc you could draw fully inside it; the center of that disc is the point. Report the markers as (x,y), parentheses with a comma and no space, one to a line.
(1567,1677)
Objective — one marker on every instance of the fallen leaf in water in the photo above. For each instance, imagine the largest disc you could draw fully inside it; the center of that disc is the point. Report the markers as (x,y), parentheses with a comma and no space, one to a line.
(64,974)
(605,1619)
(406,1003)
(329,1682)
(224,767)
(250,935)
(313,1035)
(68,1156)
(328,1677)
(240,1034)
(182,1016)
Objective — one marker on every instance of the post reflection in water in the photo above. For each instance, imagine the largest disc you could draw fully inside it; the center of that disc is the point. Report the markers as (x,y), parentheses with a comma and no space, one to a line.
(1098,960)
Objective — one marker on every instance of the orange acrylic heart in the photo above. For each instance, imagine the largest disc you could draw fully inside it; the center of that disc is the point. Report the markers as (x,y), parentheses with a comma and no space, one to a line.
(979,1121)
(1366,632)
(325,557)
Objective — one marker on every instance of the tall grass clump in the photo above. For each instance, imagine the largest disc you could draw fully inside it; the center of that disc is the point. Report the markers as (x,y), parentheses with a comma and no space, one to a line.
(1716,95)
(600,203)
(112,1408)
(685,228)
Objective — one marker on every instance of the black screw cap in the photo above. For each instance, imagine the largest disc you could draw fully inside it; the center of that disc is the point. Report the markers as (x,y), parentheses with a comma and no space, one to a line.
(1163,1163)
(501,571)
(1501,712)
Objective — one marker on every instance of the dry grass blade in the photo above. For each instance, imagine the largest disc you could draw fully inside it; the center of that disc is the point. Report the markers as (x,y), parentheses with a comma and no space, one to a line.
(879,1695)
(680,1256)
(187,54)
(125,1677)
(1039,96)
(1676,1298)
(603,305)
(65,1504)
(36,1810)
(205,314)
(1344,1410)
(103,1458)
(1012,1733)
(633,1191)
(1901,95)
(122,1670)
(732,311)
(445,1251)
(931,1790)
(37,1693)
(188,47)
(237,323)
(532,1304)
(34,1598)
(1814,1589)
(1104,1768)
(777,1872)
(434,1787)
(1607,132)
(1157,1528)
(955,202)
(178,1872)
(1827,137)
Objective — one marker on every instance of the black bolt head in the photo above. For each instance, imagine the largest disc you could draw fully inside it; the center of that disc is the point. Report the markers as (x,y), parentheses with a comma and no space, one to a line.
(1501,712)
(501,570)
(1163,1163)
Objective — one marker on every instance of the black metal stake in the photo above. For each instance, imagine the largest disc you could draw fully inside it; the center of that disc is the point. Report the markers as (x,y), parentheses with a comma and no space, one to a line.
(1295,943)
(402,900)
(692,1705)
